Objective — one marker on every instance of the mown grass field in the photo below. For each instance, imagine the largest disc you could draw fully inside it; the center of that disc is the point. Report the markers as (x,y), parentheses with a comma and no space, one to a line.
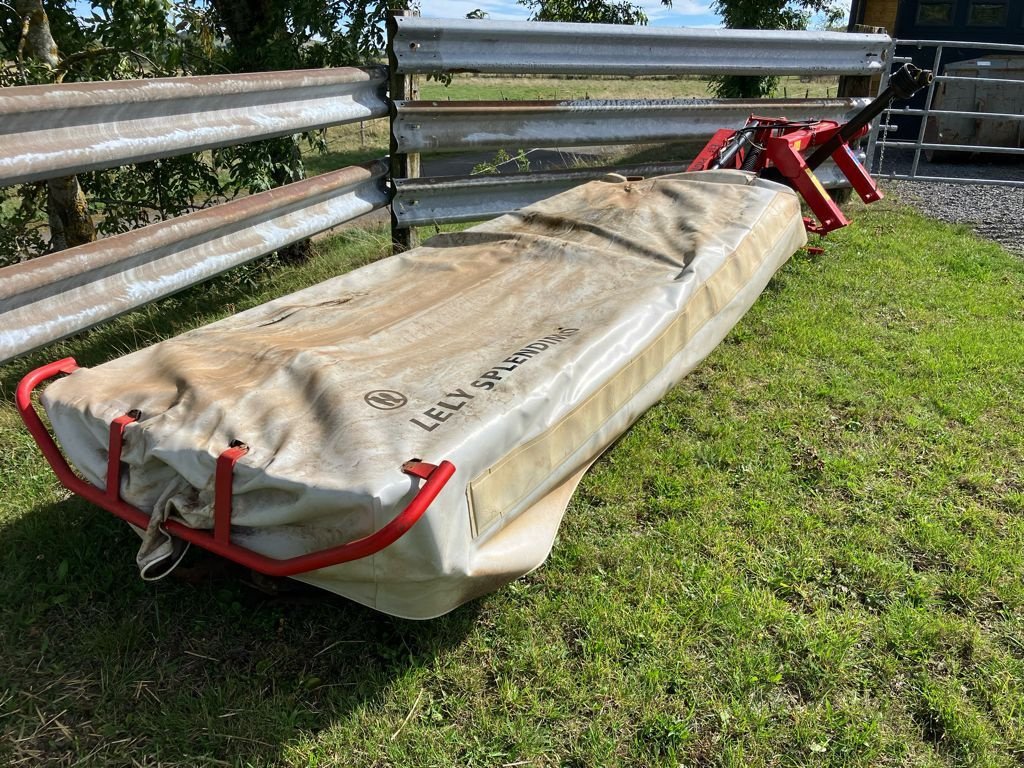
(810,553)
(513,88)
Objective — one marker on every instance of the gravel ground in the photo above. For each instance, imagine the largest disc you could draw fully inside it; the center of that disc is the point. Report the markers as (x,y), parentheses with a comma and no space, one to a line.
(994,212)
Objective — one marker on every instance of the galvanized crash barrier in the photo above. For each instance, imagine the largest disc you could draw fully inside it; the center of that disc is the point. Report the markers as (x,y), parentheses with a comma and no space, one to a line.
(445,46)
(444,126)
(429,46)
(422,202)
(56,295)
(974,107)
(56,130)
(53,131)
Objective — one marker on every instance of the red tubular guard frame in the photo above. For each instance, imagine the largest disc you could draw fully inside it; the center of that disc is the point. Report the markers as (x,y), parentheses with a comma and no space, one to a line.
(219,541)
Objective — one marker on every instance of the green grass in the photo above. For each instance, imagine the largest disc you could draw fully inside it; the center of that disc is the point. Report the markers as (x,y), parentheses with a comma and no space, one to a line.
(349,144)
(499,87)
(810,553)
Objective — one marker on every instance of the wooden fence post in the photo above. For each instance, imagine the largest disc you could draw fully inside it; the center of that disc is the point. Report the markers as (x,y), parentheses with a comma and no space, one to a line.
(861,85)
(403,166)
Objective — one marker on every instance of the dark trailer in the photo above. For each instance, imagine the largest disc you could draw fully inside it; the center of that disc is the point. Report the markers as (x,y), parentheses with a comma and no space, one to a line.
(973,22)
(981,21)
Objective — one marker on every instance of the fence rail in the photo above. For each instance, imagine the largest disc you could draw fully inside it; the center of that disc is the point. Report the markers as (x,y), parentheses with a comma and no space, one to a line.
(54,296)
(421,202)
(430,46)
(456,126)
(55,130)
(439,46)
(51,131)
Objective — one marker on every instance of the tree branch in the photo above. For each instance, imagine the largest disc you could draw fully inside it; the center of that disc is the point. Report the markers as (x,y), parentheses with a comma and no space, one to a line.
(211,62)
(91,53)
(145,58)
(26,25)
(74,58)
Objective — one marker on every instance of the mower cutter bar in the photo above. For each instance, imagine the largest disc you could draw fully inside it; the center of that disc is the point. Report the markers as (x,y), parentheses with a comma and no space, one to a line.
(219,540)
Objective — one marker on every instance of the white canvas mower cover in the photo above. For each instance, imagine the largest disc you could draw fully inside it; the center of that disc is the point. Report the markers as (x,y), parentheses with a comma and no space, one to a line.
(493,365)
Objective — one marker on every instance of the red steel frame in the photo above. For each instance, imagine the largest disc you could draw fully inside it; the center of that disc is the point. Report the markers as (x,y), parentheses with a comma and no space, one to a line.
(777,143)
(219,541)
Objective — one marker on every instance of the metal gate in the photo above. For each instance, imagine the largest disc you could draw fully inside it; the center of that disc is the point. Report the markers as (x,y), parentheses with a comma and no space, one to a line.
(973,110)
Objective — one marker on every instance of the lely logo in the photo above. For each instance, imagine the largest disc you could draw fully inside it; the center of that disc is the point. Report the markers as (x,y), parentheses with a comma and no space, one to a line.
(385,399)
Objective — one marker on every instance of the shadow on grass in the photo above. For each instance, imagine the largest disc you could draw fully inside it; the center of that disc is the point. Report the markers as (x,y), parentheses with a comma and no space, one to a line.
(178,672)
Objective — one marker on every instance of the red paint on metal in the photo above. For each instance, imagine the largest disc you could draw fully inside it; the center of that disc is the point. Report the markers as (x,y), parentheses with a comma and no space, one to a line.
(23,401)
(343,553)
(418,468)
(858,175)
(222,483)
(783,153)
(707,155)
(779,145)
(114,447)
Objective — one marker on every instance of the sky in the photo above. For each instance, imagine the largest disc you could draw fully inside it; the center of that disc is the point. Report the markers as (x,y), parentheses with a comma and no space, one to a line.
(683,13)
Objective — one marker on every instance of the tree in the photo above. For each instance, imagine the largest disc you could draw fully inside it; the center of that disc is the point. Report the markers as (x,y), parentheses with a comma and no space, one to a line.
(766,14)
(268,35)
(588,11)
(117,41)
(67,210)
(123,39)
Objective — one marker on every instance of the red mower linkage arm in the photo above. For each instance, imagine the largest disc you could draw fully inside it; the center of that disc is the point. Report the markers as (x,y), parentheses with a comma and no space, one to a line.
(775,148)
(219,540)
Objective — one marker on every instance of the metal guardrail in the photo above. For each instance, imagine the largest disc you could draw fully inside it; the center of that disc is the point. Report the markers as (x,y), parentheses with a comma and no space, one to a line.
(521,47)
(438,46)
(933,116)
(422,202)
(979,148)
(54,296)
(50,131)
(455,126)
(55,130)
